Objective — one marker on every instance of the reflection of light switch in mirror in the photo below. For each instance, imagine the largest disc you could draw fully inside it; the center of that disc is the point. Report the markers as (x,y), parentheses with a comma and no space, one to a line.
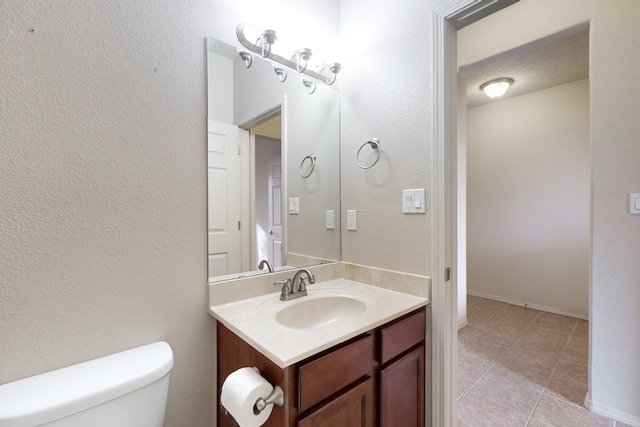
(413,201)
(294,205)
(330,220)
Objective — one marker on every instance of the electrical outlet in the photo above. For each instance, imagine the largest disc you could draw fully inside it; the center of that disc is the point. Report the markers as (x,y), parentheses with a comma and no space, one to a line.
(351,220)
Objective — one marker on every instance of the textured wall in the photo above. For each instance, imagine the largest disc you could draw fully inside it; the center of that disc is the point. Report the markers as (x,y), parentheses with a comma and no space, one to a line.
(615,132)
(103,212)
(386,93)
(103,196)
(529,178)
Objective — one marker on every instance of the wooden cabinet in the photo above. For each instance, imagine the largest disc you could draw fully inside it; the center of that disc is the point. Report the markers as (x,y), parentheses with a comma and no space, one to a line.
(401,374)
(353,408)
(402,391)
(374,379)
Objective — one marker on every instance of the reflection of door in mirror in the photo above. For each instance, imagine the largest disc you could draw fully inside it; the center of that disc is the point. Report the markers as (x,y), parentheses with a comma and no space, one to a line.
(266,240)
(224,188)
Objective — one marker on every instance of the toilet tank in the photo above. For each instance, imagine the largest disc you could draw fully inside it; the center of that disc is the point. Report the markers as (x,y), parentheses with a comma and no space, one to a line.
(125,389)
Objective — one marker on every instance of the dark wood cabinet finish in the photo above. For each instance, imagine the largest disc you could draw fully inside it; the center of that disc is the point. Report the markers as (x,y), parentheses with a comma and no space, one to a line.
(374,379)
(401,335)
(401,386)
(322,377)
(354,408)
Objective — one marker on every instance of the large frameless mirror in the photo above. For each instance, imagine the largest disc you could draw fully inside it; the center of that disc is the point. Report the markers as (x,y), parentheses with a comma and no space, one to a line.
(273,167)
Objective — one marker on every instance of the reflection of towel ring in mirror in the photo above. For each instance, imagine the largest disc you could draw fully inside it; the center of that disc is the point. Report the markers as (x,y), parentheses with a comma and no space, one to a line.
(311,157)
(375,144)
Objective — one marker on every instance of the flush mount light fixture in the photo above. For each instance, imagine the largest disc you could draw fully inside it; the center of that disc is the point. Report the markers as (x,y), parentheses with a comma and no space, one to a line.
(497,87)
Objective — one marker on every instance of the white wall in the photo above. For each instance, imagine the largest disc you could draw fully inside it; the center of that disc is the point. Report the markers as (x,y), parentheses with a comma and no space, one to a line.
(386,93)
(529,179)
(103,197)
(615,130)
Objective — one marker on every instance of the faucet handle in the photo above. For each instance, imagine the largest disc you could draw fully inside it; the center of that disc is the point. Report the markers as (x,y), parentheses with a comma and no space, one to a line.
(286,289)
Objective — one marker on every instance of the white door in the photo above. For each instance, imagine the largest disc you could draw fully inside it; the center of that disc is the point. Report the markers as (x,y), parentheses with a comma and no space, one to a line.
(275,211)
(224,209)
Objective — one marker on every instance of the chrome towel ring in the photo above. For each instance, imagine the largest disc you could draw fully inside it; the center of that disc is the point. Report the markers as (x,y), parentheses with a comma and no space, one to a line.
(375,145)
(312,158)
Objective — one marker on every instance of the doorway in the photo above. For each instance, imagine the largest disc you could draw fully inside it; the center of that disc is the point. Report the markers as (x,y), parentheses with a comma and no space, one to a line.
(266,195)
(445,207)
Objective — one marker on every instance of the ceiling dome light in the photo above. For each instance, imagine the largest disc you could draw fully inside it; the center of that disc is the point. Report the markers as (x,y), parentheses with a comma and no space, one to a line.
(497,87)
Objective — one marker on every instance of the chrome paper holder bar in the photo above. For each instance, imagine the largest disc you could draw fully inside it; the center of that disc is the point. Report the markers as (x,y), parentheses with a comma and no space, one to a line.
(276,397)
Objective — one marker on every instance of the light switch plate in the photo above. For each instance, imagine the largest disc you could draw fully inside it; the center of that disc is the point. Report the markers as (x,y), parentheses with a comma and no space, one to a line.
(330,220)
(294,205)
(634,203)
(413,201)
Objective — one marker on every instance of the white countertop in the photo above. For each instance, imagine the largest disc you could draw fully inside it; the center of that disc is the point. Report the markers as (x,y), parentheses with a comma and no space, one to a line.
(254,319)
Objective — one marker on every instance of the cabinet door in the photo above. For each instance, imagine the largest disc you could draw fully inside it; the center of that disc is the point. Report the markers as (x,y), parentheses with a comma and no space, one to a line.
(353,408)
(402,391)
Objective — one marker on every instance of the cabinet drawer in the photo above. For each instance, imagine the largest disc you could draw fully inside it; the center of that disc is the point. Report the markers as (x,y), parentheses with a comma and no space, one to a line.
(328,374)
(402,335)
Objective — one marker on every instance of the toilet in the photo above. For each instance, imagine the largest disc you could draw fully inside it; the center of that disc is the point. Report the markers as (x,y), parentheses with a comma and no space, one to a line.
(127,389)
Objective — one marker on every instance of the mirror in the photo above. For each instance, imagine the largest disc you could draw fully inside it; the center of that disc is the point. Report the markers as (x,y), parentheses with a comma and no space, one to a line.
(273,154)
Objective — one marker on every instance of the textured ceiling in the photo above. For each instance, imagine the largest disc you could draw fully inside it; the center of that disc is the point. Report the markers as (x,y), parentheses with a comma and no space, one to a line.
(552,64)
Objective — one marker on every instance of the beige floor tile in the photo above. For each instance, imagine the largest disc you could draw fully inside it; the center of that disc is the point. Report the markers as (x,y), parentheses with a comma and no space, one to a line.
(506,360)
(582,329)
(477,315)
(520,313)
(569,382)
(480,411)
(534,337)
(479,355)
(540,357)
(467,330)
(508,388)
(504,328)
(555,322)
(557,412)
(468,376)
(576,351)
(537,374)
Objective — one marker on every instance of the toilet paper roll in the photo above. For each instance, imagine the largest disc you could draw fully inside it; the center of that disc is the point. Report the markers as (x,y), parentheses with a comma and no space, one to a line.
(240,391)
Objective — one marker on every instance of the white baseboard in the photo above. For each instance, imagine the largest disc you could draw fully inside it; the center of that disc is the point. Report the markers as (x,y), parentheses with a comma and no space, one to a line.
(528,305)
(611,413)
(462,324)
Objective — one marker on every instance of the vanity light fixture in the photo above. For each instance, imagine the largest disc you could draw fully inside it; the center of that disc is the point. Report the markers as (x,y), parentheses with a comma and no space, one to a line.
(281,72)
(497,87)
(309,84)
(299,60)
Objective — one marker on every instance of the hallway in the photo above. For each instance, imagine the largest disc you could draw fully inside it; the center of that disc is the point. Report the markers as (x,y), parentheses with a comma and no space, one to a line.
(523,367)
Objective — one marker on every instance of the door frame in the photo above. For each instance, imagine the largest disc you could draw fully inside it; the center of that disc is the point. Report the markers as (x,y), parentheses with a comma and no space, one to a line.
(444,294)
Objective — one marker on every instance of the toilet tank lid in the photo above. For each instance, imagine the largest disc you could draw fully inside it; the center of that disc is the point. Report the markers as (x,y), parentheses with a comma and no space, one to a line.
(60,393)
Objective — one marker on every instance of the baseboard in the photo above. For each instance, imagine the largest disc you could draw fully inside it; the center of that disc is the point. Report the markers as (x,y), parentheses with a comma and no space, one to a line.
(528,305)
(462,324)
(611,413)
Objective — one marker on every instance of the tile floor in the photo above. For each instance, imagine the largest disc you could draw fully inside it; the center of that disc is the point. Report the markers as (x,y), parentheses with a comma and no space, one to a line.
(520,367)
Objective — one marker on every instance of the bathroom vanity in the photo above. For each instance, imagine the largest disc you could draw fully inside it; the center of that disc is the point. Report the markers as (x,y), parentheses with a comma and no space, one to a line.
(357,367)
(376,378)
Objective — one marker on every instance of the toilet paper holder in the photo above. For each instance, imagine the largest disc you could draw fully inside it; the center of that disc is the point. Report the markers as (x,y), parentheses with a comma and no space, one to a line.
(276,397)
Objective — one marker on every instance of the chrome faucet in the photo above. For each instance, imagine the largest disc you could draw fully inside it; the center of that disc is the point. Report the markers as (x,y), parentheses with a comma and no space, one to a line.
(296,287)
(267,263)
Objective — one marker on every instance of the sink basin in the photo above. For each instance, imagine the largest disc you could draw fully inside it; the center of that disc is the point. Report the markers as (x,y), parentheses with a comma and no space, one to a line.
(320,312)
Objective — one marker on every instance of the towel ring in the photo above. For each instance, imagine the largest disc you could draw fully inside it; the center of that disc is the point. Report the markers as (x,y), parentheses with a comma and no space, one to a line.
(311,157)
(375,144)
